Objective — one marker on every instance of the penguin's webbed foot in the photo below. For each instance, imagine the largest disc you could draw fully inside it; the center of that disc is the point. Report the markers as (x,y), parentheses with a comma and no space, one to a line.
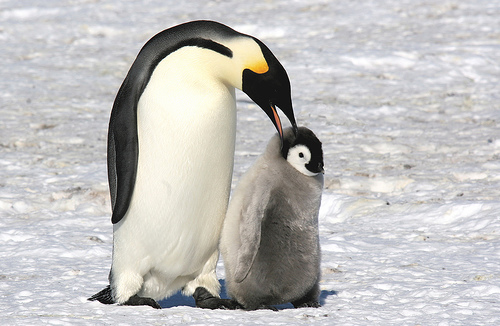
(136,300)
(105,296)
(206,300)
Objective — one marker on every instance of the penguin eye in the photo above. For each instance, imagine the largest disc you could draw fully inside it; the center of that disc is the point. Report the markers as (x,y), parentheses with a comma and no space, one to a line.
(301,155)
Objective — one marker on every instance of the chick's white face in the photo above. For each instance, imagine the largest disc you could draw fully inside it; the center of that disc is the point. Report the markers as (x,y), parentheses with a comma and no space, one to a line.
(299,156)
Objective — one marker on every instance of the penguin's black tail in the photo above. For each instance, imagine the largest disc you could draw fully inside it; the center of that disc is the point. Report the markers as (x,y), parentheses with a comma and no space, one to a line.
(103,296)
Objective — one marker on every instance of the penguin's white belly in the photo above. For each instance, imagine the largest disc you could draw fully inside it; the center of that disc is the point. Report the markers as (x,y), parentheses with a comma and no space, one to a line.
(186,131)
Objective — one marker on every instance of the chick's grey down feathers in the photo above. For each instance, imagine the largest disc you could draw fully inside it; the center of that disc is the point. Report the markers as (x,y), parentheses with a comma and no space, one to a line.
(270,238)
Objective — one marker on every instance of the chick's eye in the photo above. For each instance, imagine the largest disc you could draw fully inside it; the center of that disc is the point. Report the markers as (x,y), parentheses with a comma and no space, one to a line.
(301,155)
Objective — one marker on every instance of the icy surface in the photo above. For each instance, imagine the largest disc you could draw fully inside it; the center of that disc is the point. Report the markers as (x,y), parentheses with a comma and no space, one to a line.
(405,96)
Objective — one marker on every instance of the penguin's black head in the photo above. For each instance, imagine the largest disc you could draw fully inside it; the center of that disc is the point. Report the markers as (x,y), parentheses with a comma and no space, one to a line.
(303,151)
(270,89)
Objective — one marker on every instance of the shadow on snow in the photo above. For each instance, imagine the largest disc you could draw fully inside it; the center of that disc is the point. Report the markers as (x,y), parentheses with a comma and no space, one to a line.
(178,300)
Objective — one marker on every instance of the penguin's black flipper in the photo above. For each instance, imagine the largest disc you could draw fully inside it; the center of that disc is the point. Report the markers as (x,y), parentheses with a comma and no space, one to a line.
(123,149)
(206,300)
(103,296)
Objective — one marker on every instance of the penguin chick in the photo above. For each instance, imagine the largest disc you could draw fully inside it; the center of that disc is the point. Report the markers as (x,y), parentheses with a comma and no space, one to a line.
(270,242)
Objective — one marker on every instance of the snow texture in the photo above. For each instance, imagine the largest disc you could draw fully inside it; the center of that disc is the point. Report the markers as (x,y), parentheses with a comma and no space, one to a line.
(404,95)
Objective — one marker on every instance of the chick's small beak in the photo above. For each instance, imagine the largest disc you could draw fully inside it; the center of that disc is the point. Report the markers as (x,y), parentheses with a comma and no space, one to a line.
(321,168)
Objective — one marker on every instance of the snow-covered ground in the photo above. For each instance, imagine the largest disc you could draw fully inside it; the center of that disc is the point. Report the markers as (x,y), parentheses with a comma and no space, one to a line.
(404,94)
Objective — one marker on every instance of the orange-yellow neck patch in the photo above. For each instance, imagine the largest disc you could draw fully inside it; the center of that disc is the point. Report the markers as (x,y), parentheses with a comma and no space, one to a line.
(260,67)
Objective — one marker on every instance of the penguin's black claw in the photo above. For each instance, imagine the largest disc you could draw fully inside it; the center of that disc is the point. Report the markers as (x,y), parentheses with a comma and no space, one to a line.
(206,300)
(136,300)
(103,296)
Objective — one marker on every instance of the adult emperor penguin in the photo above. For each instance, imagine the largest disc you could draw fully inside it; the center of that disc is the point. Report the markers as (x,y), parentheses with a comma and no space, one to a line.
(270,242)
(170,157)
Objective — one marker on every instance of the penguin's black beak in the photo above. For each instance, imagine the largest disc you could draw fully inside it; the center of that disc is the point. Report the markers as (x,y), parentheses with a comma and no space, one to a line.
(275,118)
(285,105)
(261,89)
(269,94)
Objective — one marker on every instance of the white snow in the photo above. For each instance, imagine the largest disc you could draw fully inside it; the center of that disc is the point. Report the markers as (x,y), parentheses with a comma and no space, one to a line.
(404,95)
